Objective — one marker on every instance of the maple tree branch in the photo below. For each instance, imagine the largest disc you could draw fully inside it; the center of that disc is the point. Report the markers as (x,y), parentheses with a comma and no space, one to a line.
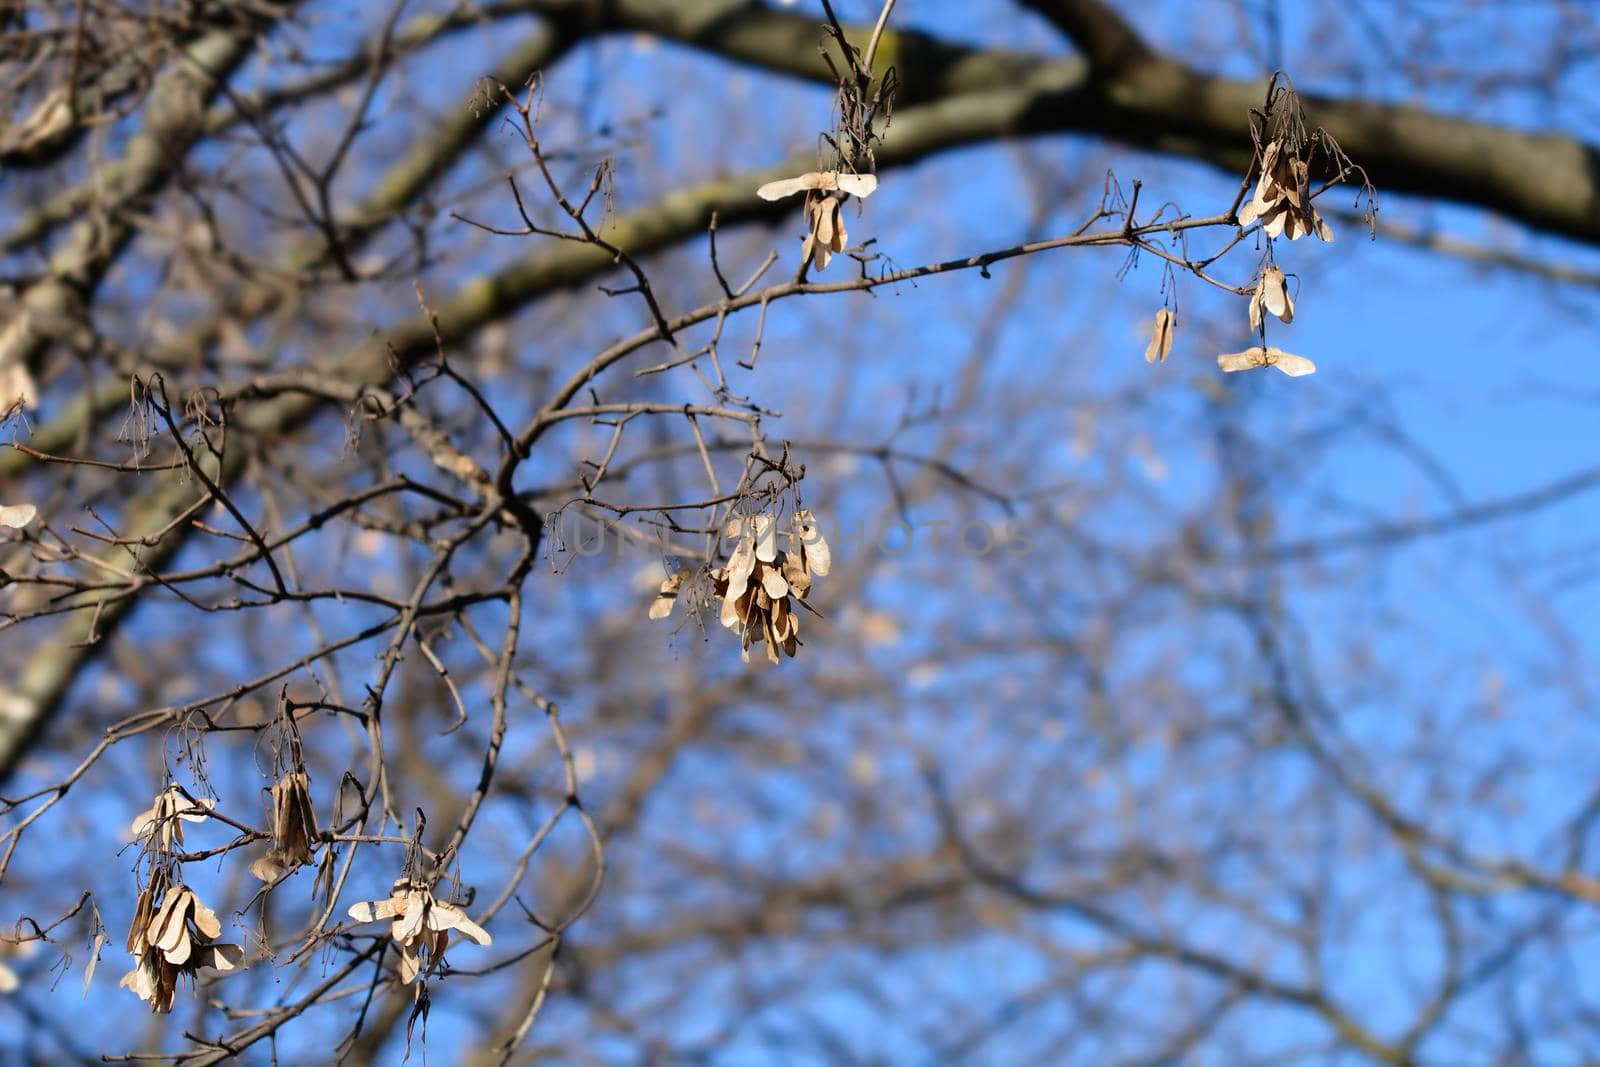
(1547,181)
(1104,37)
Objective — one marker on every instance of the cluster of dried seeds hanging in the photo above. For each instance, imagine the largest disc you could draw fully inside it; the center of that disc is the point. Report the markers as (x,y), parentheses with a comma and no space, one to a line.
(173,934)
(1272,294)
(421,925)
(824,210)
(163,821)
(761,586)
(1282,204)
(294,828)
(1282,197)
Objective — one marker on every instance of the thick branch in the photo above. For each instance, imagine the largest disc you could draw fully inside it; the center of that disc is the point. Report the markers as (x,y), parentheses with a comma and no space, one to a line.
(1105,40)
(1544,180)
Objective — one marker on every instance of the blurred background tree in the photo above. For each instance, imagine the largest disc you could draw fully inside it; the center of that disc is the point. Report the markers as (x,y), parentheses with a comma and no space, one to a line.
(1146,715)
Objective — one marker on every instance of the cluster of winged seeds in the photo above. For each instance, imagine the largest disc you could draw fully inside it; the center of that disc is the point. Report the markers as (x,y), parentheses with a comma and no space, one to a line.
(162,822)
(1282,198)
(172,932)
(761,586)
(1271,295)
(824,217)
(421,924)
(1282,204)
(294,828)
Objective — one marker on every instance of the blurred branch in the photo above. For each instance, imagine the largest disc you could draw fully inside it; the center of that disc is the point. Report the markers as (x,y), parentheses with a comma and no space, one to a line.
(1388,534)
(1435,240)
(1544,180)
(1104,38)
